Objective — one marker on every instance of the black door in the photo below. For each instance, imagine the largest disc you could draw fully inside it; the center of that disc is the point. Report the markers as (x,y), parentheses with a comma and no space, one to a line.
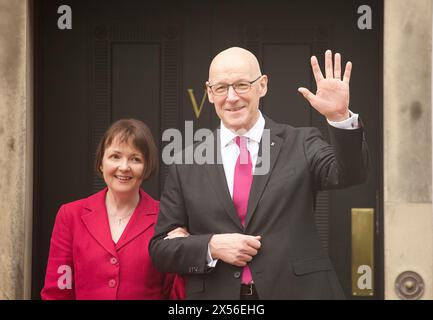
(149,60)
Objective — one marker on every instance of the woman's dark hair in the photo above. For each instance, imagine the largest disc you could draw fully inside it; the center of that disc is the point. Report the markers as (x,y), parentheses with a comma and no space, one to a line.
(139,135)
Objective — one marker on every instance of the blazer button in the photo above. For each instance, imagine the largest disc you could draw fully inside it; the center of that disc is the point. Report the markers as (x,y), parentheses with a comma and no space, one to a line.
(113,260)
(237,274)
(112,283)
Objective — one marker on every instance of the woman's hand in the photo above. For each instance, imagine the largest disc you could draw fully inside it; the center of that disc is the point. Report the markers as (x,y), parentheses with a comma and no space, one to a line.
(177,233)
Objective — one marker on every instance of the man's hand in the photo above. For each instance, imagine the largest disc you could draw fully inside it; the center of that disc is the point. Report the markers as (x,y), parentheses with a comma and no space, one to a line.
(332,96)
(234,248)
(177,233)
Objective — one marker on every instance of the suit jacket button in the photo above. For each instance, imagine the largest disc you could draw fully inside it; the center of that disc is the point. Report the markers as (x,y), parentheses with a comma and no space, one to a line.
(112,283)
(237,274)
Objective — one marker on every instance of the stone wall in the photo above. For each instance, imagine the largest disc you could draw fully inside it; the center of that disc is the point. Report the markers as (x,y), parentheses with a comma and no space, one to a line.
(15,151)
(408,142)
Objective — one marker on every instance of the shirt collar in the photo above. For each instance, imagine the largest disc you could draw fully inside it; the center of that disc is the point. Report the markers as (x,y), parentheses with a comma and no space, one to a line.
(254,134)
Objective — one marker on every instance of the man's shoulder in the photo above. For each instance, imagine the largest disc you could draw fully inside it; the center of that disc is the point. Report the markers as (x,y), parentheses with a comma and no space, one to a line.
(285,130)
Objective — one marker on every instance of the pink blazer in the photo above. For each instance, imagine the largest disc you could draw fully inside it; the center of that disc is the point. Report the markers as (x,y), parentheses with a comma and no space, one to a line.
(85,263)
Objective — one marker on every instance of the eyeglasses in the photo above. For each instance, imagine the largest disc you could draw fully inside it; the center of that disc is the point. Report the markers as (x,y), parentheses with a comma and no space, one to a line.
(221,89)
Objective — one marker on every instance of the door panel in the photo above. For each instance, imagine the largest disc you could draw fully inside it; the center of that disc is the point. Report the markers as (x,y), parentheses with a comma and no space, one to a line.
(285,78)
(136,88)
(140,58)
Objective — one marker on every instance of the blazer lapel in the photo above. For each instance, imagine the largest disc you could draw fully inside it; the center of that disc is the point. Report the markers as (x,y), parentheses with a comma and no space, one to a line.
(143,218)
(96,221)
(260,181)
(219,183)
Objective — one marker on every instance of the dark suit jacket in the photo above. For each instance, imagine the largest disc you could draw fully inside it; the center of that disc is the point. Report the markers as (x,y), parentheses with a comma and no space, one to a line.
(291,263)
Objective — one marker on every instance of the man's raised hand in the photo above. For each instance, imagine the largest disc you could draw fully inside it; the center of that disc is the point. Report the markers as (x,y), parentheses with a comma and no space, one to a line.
(332,95)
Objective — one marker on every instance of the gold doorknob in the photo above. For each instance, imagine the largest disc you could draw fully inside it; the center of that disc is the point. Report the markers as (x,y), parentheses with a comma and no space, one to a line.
(409,285)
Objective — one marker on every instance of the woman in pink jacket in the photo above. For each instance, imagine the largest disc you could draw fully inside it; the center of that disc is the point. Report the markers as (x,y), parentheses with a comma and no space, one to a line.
(99,245)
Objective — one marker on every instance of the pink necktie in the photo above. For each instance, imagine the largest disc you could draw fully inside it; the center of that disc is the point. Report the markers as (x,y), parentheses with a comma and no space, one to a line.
(243,179)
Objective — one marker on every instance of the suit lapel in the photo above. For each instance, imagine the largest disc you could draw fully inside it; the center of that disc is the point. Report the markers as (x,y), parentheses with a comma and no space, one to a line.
(96,221)
(260,181)
(143,218)
(219,183)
